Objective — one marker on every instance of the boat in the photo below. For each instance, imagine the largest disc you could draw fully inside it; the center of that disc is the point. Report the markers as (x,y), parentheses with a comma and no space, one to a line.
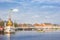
(40,30)
(9,28)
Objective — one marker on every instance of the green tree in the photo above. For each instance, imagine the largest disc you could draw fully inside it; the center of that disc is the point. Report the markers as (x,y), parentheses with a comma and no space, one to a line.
(1,23)
(15,24)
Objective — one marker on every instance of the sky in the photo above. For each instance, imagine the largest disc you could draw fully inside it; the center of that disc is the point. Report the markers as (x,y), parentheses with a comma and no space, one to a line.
(31,11)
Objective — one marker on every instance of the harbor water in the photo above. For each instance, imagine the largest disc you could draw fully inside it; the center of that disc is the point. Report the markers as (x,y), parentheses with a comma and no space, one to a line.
(32,35)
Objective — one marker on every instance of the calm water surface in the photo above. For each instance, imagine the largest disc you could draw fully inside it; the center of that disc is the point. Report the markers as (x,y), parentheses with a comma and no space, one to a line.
(32,35)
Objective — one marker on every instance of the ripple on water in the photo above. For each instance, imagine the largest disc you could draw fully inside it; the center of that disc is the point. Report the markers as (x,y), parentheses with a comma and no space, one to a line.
(32,35)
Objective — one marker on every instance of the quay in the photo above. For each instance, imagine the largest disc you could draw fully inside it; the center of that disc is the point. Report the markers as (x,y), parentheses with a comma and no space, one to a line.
(45,29)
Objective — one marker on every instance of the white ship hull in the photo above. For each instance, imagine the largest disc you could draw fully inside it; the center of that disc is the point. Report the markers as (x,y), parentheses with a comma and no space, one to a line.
(9,30)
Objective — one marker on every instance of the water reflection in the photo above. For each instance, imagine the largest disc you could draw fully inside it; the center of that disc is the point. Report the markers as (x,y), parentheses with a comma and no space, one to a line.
(6,37)
(1,37)
(31,36)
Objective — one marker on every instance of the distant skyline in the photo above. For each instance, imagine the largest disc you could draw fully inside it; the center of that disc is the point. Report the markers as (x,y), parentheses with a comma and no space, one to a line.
(31,11)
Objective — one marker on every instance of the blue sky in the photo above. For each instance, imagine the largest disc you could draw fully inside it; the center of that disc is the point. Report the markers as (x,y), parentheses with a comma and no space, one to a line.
(31,11)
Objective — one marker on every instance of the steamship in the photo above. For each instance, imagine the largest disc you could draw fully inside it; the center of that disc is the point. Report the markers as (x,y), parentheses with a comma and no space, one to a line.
(9,28)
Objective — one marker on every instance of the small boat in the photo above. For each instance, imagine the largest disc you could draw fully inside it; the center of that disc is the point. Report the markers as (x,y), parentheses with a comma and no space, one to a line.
(40,30)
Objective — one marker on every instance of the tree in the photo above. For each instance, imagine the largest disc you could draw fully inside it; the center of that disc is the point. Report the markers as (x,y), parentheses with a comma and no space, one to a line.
(15,24)
(1,23)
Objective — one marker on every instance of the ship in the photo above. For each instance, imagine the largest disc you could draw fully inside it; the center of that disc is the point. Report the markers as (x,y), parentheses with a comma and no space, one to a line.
(9,26)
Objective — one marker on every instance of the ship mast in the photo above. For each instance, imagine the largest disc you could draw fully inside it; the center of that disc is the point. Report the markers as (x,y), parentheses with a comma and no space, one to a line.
(9,28)
(10,12)
(9,22)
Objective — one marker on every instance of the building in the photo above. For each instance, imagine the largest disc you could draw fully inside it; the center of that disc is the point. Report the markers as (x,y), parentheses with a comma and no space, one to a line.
(25,27)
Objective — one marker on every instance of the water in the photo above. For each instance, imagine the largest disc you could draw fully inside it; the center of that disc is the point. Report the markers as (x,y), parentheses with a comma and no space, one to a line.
(32,35)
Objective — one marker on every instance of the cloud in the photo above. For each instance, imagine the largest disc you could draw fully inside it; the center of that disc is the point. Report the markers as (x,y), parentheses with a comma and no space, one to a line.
(47,17)
(53,16)
(35,16)
(56,15)
(15,10)
(47,0)
(6,0)
(10,1)
(33,11)
(49,6)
